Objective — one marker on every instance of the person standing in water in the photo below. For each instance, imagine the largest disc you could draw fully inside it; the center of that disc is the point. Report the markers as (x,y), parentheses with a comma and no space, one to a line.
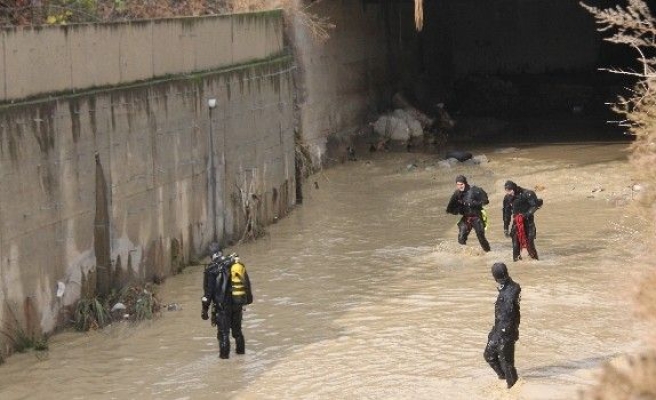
(519,207)
(500,349)
(226,289)
(468,201)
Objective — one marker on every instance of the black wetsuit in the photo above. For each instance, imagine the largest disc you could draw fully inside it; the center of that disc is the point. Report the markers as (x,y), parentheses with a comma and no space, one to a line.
(469,203)
(500,349)
(526,203)
(226,315)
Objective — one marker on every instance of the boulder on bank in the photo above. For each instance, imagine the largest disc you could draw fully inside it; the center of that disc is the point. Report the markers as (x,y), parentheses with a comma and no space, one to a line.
(398,125)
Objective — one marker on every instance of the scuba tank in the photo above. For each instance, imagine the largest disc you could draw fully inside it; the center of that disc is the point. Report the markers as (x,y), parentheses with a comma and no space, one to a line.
(240,284)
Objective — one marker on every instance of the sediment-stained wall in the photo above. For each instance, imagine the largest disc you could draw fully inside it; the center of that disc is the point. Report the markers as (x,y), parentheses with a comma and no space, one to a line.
(39,60)
(133,182)
(344,81)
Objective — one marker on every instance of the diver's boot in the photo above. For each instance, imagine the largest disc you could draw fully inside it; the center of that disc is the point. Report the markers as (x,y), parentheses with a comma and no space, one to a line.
(493,362)
(224,353)
(533,253)
(511,377)
(498,370)
(241,345)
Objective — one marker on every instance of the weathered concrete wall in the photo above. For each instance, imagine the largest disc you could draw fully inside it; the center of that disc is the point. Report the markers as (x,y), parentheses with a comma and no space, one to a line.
(345,81)
(134,181)
(94,55)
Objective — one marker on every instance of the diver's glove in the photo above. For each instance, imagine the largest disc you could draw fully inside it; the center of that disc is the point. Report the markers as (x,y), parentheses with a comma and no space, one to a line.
(205,308)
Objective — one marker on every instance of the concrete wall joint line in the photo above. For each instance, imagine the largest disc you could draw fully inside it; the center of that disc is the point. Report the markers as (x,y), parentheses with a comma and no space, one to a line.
(174,79)
(130,54)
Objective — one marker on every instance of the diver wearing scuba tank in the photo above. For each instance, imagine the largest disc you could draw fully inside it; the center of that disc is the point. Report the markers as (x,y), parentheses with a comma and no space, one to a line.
(227,288)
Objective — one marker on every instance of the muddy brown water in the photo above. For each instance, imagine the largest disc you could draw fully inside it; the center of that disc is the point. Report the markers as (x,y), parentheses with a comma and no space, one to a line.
(363,292)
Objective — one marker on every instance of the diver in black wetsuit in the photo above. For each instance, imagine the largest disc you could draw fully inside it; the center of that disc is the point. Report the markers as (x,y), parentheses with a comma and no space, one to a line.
(500,350)
(468,201)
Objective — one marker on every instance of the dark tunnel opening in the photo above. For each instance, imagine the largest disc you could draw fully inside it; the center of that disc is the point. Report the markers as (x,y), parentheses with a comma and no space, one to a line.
(511,70)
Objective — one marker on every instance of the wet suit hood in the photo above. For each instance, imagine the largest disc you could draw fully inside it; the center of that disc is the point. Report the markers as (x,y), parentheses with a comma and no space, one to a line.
(500,274)
(510,185)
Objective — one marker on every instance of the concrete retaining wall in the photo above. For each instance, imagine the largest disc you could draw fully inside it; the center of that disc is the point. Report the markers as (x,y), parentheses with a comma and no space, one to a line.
(132,182)
(115,168)
(77,57)
(344,82)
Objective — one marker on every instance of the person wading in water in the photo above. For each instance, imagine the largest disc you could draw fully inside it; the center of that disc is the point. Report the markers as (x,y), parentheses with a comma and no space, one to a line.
(468,201)
(500,349)
(226,289)
(520,205)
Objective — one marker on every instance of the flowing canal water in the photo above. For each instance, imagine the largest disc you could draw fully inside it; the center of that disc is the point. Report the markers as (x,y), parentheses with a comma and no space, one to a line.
(363,292)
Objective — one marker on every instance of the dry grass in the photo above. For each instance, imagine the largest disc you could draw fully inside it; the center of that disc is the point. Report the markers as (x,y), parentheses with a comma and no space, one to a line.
(629,378)
(634,377)
(61,12)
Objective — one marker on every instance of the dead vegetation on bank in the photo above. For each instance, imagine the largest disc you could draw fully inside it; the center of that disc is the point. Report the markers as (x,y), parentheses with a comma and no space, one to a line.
(132,303)
(634,377)
(63,12)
